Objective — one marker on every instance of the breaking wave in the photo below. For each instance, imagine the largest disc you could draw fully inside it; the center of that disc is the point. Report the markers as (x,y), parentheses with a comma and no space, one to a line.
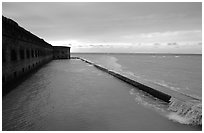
(185,112)
(189,113)
(148,101)
(168,85)
(181,90)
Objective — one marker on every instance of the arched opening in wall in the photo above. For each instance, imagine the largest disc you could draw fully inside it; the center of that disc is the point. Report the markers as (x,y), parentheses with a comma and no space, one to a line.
(43,53)
(32,53)
(28,53)
(36,53)
(39,53)
(22,54)
(3,55)
(15,74)
(13,55)
(23,69)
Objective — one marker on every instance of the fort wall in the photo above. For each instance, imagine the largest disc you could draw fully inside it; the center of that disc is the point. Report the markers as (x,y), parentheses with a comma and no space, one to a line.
(23,52)
(60,52)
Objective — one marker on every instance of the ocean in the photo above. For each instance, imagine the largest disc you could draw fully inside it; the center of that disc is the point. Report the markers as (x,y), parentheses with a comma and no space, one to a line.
(181,73)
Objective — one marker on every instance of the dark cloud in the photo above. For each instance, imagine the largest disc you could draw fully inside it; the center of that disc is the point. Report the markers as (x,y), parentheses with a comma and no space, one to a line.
(98,45)
(172,44)
(157,44)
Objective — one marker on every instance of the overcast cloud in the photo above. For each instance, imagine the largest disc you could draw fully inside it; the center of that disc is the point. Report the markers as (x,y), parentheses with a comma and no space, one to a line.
(113,27)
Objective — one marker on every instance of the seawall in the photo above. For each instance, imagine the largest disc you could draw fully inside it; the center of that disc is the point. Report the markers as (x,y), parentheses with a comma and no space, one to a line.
(159,92)
(149,90)
(24,52)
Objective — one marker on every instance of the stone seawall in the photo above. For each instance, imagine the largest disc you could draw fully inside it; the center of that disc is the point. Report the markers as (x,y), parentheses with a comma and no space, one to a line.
(149,90)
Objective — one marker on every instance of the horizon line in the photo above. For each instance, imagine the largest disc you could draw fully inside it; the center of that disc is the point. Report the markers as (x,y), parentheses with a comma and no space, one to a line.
(135,53)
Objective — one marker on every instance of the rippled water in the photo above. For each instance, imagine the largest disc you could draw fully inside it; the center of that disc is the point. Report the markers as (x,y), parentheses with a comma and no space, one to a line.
(72,95)
(182,73)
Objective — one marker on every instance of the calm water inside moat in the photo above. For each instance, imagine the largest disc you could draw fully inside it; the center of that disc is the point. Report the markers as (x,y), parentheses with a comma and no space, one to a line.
(72,95)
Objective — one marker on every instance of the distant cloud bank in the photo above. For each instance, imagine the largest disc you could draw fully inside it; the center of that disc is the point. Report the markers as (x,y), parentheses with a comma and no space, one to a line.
(173,27)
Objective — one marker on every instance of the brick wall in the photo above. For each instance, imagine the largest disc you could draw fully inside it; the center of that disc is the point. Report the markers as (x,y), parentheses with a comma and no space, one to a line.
(23,52)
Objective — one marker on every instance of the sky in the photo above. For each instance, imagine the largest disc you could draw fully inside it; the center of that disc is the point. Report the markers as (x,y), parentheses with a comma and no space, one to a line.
(113,27)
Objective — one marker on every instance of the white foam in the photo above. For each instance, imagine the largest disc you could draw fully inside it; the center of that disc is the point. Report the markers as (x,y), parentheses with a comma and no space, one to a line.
(89,65)
(179,111)
(168,85)
(177,118)
(186,112)
(148,101)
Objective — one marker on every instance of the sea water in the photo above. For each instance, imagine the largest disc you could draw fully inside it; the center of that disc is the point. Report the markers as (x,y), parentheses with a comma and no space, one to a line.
(180,74)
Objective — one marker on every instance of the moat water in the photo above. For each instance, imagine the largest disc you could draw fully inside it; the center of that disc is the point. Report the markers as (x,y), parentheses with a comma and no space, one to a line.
(72,95)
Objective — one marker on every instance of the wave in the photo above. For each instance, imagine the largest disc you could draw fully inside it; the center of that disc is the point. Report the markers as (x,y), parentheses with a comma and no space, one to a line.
(110,62)
(89,65)
(175,89)
(157,82)
(168,85)
(183,112)
(148,100)
(159,56)
(189,112)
